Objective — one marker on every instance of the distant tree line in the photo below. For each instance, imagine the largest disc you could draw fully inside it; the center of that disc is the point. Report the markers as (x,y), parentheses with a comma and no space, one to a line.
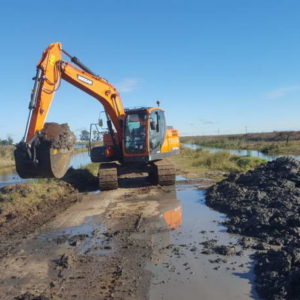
(8,141)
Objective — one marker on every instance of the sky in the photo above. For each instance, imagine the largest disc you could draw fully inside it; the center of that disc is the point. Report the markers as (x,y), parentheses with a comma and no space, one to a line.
(217,67)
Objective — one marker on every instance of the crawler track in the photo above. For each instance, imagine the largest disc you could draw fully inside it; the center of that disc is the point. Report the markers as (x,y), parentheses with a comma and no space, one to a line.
(108,176)
(163,172)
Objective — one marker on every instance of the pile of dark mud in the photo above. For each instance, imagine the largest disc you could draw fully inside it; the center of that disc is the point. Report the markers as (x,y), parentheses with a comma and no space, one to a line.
(265,203)
(59,136)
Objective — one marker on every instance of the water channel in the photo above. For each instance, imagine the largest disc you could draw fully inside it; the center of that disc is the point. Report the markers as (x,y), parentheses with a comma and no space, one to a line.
(241,152)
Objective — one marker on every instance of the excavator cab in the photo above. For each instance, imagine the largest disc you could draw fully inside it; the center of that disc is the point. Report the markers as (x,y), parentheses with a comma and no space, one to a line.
(146,136)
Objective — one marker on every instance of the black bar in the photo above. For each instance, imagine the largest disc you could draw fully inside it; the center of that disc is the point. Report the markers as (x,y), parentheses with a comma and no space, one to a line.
(77,62)
(36,89)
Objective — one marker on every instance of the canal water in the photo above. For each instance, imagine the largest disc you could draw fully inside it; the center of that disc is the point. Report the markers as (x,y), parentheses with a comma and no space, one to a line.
(241,152)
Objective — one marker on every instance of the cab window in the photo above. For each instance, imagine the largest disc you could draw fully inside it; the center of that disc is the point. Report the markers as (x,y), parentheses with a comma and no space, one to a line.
(135,133)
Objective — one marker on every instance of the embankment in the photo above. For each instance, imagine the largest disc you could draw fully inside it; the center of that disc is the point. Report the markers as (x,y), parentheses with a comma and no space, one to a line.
(27,206)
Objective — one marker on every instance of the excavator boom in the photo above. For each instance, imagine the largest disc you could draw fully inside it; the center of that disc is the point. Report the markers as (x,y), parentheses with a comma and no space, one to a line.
(36,158)
(50,69)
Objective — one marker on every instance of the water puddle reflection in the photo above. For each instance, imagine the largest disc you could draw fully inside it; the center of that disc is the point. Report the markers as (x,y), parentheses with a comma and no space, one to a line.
(180,267)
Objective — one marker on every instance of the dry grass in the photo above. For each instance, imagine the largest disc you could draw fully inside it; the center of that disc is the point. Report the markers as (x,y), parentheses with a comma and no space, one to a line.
(25,198)
(7,156)
(286,142)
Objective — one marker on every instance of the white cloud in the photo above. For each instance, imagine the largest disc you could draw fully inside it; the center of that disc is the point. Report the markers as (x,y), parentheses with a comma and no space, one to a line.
(127,85)
(281,92)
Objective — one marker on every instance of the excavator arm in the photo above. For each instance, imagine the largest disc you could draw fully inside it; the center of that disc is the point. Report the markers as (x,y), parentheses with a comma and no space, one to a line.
(36,159)
(50,70)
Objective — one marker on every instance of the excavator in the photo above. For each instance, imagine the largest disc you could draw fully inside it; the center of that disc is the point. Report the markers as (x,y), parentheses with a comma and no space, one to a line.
(137,140)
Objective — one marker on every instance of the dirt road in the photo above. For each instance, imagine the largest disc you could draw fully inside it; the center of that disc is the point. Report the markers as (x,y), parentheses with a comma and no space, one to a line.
(132,243)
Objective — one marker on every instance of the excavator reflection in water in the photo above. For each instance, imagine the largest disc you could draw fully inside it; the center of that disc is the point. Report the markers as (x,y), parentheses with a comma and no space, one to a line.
(138,139)
(173,217)
(158,229)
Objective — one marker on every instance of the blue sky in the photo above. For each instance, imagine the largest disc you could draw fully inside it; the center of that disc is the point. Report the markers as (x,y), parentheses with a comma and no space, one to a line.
(216,66)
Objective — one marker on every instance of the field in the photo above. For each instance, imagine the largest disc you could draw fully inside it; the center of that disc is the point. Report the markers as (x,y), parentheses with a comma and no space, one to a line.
(195,163)
(277,142)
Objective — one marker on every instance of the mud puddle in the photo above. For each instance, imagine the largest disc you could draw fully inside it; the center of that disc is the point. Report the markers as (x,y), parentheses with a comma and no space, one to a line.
(188,268)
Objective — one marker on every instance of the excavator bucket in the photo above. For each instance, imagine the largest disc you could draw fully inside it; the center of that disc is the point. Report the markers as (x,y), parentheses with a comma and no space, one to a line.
(48,154)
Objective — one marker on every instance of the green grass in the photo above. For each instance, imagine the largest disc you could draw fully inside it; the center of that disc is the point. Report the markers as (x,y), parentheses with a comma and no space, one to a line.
(206,164)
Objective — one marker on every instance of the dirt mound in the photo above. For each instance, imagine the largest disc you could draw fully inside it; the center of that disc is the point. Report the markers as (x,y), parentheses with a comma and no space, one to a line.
(58,135)
(264,203)
(279,273)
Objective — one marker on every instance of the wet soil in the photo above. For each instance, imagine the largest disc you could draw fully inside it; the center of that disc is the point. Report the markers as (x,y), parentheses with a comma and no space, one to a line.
(187,268)
(137,242)
(264,204)
(17,222)
(59,136)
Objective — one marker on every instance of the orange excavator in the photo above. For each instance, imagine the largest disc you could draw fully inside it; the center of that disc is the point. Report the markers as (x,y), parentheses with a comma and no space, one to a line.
(137,139)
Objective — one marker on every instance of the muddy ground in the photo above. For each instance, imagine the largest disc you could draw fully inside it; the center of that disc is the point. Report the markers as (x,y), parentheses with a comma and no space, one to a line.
(263,204)
(137,242)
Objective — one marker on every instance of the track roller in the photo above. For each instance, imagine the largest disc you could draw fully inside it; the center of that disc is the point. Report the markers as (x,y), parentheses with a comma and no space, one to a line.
(108,176)
(163,172)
